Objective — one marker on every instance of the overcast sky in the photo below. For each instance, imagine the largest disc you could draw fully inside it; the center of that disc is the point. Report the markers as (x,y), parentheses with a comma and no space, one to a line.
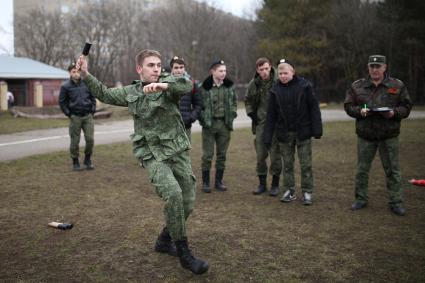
(6,27)
(239,8)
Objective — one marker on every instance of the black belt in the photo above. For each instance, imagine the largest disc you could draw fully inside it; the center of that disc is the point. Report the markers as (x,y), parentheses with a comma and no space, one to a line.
(218,118)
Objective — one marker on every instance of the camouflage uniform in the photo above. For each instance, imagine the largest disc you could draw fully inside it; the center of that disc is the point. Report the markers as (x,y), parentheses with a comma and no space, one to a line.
(378,133)
(256,102)
(159,142)
(217,115)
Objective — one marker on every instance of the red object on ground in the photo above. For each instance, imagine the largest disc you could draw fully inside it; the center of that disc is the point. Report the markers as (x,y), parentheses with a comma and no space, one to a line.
(418,182)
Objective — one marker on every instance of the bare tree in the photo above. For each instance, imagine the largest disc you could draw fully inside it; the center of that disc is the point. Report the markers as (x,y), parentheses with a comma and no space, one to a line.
(42,36)
(118,30)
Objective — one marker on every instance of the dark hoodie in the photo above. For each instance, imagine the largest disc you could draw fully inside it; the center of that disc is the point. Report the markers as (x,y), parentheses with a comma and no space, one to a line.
(293,108)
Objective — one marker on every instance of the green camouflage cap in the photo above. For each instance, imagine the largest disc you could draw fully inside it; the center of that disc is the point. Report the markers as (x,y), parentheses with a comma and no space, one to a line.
(377,60)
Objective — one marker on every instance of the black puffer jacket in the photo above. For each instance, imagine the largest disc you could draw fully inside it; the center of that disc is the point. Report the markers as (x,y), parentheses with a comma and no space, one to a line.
(76,99)
(308,119)
(191,105)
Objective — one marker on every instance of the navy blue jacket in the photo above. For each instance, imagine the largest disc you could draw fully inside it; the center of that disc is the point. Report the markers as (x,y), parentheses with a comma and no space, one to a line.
(76,99)
(306,115)
(190,106)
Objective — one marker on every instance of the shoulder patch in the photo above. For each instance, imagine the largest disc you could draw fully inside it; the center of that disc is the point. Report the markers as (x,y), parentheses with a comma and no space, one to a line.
(358,83)
(396,82)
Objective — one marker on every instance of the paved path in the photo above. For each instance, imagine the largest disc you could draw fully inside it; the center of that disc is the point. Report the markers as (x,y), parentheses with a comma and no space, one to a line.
(15,146)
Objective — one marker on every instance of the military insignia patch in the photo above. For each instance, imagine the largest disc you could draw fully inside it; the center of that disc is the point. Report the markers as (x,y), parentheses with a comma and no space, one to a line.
(392,90)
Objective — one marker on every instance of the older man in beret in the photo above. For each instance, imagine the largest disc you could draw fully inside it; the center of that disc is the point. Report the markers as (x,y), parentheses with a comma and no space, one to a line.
(378,103)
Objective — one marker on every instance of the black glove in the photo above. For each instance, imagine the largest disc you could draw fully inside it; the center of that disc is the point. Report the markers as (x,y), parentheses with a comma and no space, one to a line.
(253,117)
(268,145)
(317,137)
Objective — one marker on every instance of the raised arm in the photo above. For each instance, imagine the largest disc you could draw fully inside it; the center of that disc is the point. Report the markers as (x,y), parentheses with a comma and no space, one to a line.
(113,96)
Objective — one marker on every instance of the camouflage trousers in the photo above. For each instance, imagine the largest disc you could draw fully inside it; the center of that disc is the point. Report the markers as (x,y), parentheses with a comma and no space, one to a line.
(175,183)
(263,153)
(303,148)
(388,152)
(76,124)
(219,136)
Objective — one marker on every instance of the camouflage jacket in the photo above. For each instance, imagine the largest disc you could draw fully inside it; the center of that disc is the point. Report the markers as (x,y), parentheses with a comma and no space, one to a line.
(158,127)
(391,93)
(254,104)
(230,105)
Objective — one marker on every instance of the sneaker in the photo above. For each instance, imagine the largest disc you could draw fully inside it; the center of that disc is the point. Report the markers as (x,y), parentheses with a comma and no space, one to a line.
(307,198)
(288,196)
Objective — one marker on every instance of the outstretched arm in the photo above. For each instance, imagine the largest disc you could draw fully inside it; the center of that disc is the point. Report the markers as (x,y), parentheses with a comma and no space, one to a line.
(113,96)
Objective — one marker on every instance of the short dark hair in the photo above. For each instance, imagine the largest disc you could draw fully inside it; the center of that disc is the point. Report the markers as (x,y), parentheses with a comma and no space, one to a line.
(261,61)
(140,57)
(178,60)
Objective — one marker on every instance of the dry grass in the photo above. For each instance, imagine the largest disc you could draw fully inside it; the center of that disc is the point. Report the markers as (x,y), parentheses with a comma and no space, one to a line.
(10,124)
(246,238)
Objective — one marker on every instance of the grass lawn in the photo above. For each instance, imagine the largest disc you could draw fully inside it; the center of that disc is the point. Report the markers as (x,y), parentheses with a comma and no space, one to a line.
(245,238)
(9,124)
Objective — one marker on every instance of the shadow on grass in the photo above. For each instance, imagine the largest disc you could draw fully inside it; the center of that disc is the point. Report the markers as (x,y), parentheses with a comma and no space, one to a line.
(117,217)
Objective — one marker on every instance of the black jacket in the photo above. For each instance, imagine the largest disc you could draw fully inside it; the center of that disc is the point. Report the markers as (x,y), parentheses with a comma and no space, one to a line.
(190,106)
(308,120)
(76,99)
(391,93)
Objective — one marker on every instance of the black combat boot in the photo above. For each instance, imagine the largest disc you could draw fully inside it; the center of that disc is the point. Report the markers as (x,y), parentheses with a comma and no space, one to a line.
(87,162)
(187,260)
(219,186)
(274,190)
(76,164)
(206,181)
(262,187)
(164,244)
